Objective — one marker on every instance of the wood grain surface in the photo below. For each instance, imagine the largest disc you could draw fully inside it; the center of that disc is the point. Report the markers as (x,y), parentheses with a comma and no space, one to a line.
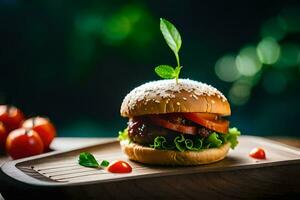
(277,177)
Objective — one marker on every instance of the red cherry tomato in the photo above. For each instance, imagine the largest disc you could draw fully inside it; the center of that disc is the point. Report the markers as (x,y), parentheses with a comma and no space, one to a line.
(11,117)
(43,127)
(3,136)
(173,126)
(209,121)
(119,166)
(22,143)
(258,153)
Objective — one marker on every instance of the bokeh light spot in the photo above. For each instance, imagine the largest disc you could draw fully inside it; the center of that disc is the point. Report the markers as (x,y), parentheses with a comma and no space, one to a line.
(247,62)
(290,55)
(117,28)
(274,82)
(239,93)
(271,28)
(268,51)
(226,69)
(251,80)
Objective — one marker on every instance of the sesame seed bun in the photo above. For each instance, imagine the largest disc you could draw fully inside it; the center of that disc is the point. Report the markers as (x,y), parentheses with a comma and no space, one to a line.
(165,96)
(168,157)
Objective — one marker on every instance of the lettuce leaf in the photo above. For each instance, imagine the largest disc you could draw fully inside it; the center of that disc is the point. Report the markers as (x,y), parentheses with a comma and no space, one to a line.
(195,143)
(213,140)
(123,135)
(232,137)
(180,143)
(160,142)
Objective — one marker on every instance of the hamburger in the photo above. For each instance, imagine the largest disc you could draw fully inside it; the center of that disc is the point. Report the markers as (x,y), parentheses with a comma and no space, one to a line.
(176,123)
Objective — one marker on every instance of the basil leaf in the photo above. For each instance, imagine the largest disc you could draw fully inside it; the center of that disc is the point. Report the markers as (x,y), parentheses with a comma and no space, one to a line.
(165,71)
(171,35)
(86,159)
(173,39)
(104,163)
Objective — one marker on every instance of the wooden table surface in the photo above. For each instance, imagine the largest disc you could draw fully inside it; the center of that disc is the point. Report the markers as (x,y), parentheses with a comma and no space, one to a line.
(65,143)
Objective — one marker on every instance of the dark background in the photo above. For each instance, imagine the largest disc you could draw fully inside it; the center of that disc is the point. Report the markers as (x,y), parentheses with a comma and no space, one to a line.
(74,61)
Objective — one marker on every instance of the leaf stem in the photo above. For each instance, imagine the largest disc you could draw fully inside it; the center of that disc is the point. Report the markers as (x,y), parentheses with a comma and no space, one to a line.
(177,59)
(178,66)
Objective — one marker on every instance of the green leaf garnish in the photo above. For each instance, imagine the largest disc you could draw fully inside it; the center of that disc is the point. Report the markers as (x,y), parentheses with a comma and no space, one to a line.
(104,163)
(173,39)
(165,71)
(171,36)
(87,159)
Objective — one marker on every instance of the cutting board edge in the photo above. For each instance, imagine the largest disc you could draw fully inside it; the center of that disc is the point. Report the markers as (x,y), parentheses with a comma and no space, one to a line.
(9,168)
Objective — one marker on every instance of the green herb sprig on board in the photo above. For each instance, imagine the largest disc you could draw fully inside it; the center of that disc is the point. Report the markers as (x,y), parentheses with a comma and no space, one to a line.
(87,159)
(173,40)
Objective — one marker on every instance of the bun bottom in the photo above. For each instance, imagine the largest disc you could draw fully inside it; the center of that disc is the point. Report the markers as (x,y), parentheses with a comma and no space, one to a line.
(149,155)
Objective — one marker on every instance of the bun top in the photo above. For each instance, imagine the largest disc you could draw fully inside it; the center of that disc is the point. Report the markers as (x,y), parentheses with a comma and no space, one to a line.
(165,96)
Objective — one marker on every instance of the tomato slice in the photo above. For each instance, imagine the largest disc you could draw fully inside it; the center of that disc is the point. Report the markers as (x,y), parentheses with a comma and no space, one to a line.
(209,121)
(258,153)
(209,116)
(173,126)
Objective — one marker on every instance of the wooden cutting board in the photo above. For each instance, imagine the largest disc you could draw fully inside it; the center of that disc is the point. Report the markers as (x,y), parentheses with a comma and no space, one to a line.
(237,176)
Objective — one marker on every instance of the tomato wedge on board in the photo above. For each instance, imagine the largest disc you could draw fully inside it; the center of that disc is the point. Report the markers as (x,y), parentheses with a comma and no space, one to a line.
(173,126)
(258,153)
(119,166)
(209,121)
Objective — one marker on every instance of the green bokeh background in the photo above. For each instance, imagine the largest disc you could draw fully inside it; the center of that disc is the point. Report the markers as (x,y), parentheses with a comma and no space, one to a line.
(74,61)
